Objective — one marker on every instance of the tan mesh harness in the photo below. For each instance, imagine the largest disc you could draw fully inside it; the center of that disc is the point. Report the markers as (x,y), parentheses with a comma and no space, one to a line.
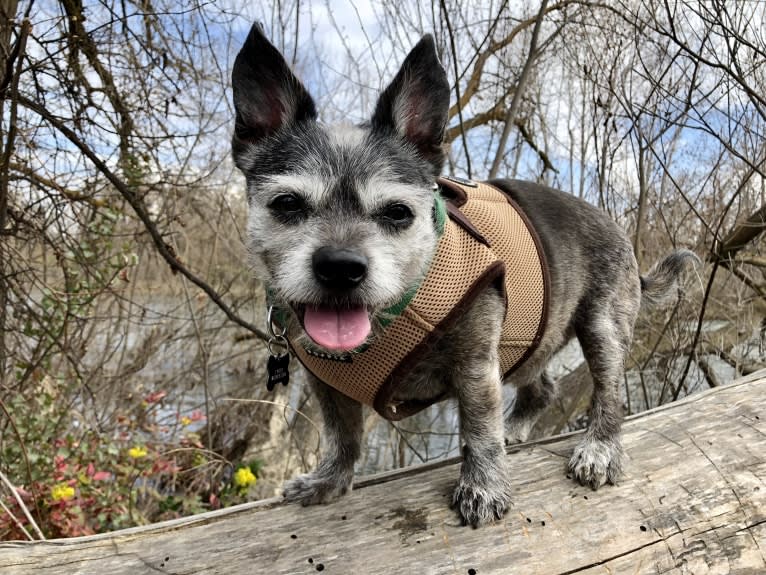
(486,240)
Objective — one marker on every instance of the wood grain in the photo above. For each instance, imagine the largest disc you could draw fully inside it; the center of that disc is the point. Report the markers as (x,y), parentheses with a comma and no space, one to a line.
(693,501)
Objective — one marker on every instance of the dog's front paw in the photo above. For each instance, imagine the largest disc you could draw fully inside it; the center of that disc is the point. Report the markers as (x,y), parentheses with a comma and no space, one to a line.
(313,488)
(595,462)
(483,493)
(480,504)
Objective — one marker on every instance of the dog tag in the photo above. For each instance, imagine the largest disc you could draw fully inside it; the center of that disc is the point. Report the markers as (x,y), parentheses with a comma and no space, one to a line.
(277,368)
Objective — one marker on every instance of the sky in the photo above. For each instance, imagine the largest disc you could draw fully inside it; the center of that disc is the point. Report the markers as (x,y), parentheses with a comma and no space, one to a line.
(344,57)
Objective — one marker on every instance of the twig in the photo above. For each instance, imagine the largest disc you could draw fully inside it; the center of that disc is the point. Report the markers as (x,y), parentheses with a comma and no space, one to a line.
(24,453)
(16,520)
(709,287)
(404,441)
(16,58)
(23,506)
(283,405)
(525,72)
(205,355)
(163,248)
(453,50)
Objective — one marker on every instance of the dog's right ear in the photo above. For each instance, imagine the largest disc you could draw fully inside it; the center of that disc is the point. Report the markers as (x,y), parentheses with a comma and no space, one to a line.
(267,95)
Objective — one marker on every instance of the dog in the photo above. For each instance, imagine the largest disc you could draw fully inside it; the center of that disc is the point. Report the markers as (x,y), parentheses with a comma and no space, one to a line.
(342,224)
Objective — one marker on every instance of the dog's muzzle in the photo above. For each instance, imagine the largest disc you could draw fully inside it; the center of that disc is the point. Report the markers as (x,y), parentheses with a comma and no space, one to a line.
(332,326)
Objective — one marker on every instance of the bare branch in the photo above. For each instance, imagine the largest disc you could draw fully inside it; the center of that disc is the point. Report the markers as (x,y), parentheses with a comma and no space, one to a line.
(163,248)
(520,85)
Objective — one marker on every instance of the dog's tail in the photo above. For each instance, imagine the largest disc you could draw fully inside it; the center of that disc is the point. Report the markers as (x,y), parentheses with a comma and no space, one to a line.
(660,285)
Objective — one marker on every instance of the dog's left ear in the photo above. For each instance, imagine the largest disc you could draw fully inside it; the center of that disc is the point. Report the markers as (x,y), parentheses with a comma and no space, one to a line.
(414,106)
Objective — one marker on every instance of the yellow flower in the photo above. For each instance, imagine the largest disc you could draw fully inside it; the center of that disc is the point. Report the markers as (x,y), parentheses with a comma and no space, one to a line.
(244,477)
(185,421)
(137,452)
(62,492)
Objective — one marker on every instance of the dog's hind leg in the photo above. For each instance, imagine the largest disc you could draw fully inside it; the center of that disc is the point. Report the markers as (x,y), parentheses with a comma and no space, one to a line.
(531,400)
(605,332)
(342,440)
(535,389)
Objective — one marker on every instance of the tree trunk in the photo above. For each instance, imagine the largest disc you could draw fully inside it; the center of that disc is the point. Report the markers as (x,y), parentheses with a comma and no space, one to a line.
(643,192)
(7,14)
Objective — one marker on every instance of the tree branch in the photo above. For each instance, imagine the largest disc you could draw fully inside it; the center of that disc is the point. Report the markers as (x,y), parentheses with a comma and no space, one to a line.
(742,234)
(520,85)
(164,249)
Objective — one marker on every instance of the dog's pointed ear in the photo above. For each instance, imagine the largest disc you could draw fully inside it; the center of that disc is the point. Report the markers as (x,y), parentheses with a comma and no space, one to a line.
(267,95)
(414,106)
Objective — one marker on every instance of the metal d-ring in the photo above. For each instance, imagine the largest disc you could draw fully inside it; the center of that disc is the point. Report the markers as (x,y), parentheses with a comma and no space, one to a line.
(270,325)
(274,337)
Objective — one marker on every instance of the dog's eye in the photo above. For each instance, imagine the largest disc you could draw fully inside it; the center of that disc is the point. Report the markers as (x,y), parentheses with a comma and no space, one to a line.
(288,207)
(397,216)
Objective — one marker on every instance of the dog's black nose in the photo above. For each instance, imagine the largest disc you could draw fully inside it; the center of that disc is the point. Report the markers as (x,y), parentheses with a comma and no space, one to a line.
(339,268)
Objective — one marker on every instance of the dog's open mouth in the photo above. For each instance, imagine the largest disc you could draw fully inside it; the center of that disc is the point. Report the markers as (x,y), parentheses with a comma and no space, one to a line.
(337,329)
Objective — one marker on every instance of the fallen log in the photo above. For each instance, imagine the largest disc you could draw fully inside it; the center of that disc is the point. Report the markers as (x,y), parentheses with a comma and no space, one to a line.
(693,501)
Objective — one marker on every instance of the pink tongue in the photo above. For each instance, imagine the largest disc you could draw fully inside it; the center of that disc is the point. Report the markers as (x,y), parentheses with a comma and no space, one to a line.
(338,329)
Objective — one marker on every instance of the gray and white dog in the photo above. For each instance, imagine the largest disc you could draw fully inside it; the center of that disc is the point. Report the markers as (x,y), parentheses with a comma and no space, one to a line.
(341,223)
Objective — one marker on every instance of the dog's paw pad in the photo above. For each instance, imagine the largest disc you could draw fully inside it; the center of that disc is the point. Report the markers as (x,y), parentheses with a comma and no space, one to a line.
(595,462)
(478,504)
(311,489)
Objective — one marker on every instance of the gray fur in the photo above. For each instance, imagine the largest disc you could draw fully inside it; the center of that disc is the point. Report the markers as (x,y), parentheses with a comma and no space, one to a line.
(343,177)
(531,400)
(660,285)
(342,439)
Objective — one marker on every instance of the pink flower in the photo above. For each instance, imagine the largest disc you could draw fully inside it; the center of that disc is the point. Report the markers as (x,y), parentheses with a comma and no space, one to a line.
(155,397)
(196,415)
